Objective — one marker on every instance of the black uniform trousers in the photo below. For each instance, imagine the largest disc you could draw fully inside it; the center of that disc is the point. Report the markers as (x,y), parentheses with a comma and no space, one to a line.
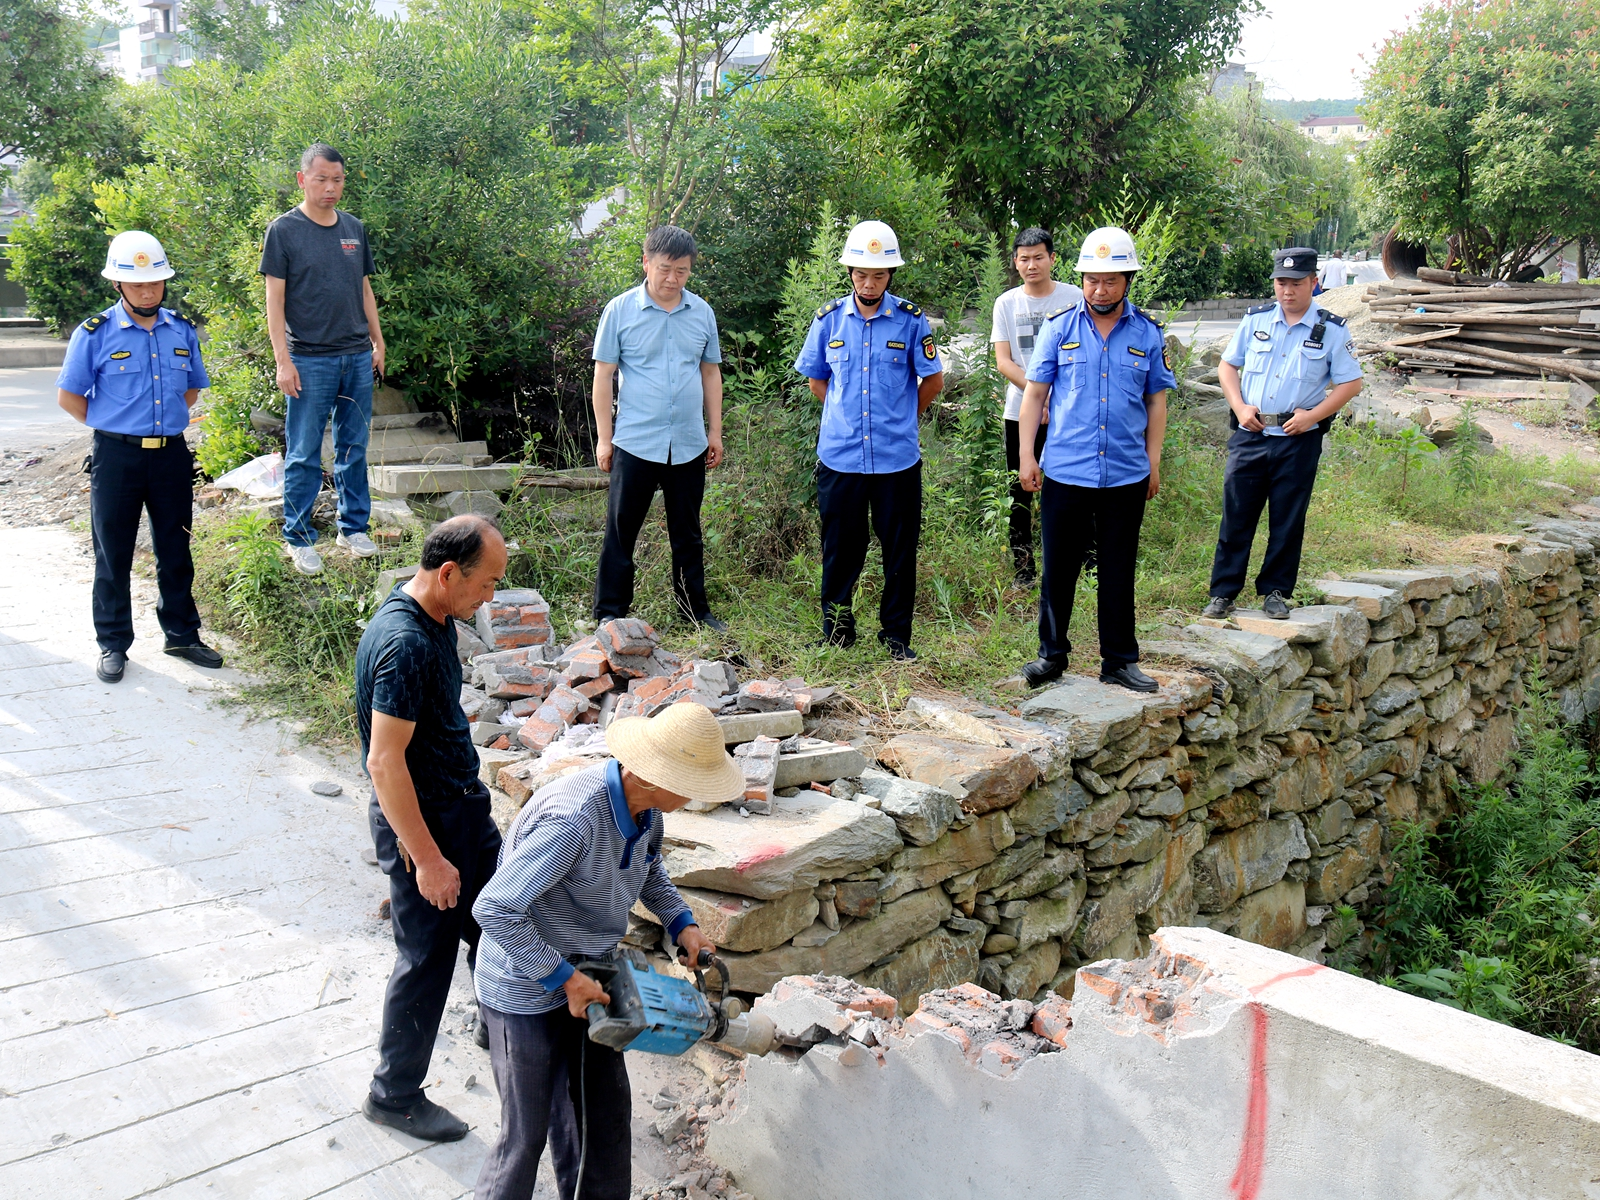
(1073,521)
(1020,530)
(634,481)
(426,939)
(1277,473)
(124,480)
(894,502)
(538,1060)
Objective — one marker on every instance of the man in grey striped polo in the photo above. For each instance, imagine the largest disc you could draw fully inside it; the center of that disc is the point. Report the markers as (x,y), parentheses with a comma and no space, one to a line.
(580,854)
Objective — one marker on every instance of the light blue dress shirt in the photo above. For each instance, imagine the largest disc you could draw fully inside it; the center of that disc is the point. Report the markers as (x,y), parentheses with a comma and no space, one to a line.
(873,366)
(1099,395)
(134,378)
(1282,367)
(660,397)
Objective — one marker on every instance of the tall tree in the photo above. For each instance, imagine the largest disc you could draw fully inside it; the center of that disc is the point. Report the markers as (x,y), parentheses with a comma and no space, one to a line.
(1488,119)
(53,86)
(1039,109)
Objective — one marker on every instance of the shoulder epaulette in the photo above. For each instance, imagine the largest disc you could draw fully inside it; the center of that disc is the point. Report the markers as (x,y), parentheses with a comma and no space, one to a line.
(907,306)
(1058,312)
(1260,308)
(829,307)
(1331,318)
(94,322)
(186,319)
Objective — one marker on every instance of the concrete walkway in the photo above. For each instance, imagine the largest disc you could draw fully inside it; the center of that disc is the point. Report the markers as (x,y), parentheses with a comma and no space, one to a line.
(191,964)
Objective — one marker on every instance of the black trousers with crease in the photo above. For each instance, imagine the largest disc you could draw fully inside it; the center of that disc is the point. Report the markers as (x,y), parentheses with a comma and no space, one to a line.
(1020,527)
(847,501)
(1275,473)
(1074,521)
(634,482)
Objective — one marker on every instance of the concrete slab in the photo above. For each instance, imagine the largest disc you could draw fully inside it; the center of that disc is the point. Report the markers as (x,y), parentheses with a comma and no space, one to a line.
(31,348)
(398,482)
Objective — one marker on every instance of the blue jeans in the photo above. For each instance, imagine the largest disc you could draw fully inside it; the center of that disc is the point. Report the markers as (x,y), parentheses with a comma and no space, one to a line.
(338,385)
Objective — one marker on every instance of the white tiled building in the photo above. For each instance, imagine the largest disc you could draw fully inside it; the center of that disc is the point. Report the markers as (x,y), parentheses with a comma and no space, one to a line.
(1336,129)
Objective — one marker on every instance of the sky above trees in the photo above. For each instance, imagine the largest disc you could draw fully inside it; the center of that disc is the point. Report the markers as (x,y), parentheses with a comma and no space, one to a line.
(1317,51)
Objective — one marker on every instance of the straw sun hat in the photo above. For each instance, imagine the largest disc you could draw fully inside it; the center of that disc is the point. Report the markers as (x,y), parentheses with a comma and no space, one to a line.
(681,750)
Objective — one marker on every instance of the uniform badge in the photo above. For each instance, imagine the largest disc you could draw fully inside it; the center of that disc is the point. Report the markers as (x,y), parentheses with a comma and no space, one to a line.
(181,352)
(874,246)
(928,351)
(1070,345)
(1263,336)
(1136,350)
(1102,251)
(1311,345)
(141,260)
(835,344)
(1166,358)
(895,345)
(122,354)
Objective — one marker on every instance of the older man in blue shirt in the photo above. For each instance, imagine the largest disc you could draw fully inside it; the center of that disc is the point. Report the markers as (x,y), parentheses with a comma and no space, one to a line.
(662,338)
(871,359)
(1102,366)
(131,374)
(1289,368)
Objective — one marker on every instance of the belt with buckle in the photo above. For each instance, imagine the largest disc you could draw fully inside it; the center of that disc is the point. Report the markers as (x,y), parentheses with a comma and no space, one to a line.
(144,443)
(1274,418)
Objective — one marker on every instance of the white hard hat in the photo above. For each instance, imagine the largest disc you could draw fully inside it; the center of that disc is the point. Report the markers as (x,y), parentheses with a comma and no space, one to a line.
(136,257)
(1108,250)
(872,244)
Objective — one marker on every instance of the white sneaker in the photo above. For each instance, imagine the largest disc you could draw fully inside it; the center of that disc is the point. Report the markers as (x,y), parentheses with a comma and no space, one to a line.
(306,560)
(358,544)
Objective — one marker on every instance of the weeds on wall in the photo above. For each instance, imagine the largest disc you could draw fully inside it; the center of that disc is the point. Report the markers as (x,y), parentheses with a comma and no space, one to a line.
(1495,912)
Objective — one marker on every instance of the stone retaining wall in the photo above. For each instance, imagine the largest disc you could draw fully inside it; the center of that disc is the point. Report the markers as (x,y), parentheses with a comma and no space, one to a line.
(1262,786)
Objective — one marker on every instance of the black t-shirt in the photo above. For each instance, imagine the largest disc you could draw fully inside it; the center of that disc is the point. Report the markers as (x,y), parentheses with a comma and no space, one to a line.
(322,267)
(406,667)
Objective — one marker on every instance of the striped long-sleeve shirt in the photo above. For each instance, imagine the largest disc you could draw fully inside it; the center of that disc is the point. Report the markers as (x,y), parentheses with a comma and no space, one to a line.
(572,865)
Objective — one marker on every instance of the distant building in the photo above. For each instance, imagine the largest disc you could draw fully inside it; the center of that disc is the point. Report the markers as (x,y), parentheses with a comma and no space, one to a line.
(1234,78)
(745,64)
(1336,129)
(146,51)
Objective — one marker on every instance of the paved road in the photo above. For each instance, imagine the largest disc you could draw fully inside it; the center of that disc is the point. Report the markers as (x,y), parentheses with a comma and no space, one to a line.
(28,398)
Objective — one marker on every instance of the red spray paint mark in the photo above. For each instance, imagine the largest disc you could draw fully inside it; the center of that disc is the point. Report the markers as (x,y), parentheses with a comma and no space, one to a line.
(758,856)
(1246,1183)
(1311,969)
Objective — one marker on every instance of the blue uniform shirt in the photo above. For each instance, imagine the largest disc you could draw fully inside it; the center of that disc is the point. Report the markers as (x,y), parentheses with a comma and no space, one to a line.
(1282,367)
(134,379)
(1098,395)
(660,398)
(878,362)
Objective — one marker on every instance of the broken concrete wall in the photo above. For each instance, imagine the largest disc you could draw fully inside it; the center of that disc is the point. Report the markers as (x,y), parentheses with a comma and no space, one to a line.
(1212,1068)
(1256,792)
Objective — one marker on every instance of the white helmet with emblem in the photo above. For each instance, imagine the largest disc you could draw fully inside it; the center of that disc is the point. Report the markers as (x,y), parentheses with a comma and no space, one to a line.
(136,257)
(872,244)
(1108,250)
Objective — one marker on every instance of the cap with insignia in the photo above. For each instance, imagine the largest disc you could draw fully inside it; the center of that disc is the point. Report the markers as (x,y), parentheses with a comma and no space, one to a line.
(1294,263)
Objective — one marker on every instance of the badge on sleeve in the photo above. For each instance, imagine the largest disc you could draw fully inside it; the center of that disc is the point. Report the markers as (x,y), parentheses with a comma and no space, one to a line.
(928,351)
(1166,358)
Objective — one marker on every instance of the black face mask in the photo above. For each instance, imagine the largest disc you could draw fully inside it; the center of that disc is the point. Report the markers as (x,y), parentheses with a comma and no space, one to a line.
(143,312)
(1105,310)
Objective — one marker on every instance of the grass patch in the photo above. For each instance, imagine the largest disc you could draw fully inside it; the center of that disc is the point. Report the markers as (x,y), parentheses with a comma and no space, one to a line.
(973,627)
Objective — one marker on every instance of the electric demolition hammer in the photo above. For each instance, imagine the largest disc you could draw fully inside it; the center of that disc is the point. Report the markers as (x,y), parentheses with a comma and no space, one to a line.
(660,1014)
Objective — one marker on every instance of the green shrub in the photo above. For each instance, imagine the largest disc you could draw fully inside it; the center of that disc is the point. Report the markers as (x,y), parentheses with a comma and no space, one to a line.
(1247,271)
(57,256)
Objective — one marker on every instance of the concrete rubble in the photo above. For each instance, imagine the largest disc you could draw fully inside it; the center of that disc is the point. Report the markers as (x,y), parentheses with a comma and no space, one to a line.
(1257,792)
(1209,1067)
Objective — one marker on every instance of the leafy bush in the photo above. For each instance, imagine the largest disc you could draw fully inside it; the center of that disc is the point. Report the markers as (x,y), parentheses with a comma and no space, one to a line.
(1192,274)
(58,254)
(1247,271)
(1495,912)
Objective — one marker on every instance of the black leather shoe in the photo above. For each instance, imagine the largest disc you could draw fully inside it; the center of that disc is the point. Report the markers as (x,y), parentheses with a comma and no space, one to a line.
(1220,607)
(899,651)
(835,641)
(1131,678)
(1275,606)
(111,666)
(1044,670)
(424,1119)
(715,624)
(199,654)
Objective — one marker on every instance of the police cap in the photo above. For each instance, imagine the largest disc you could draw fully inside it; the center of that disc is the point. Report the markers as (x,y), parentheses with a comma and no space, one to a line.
(1294,263)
